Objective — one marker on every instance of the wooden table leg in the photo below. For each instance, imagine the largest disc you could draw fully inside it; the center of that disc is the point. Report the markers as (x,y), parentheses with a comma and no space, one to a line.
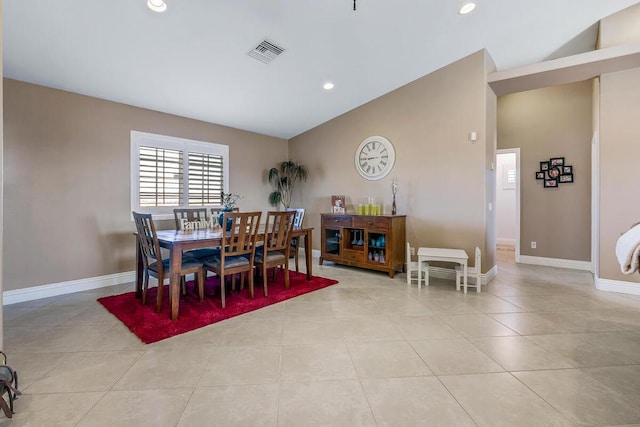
(139,269)
(174,280)
(308,255)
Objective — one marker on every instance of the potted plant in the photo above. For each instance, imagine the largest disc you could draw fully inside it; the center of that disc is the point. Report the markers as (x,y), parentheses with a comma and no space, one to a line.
(284,178)
(228,201)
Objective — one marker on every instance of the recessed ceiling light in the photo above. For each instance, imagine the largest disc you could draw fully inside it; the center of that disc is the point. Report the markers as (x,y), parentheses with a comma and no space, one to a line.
(157,5)
(467,8)
(327,86)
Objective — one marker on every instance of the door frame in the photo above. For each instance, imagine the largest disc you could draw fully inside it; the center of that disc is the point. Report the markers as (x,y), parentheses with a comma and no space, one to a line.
(515,151)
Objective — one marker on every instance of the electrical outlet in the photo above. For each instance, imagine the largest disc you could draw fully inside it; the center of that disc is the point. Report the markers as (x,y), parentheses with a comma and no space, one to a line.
(413,251)
(533,245)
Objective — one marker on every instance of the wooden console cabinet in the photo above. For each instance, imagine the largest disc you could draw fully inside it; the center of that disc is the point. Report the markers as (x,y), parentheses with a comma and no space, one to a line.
(374,242)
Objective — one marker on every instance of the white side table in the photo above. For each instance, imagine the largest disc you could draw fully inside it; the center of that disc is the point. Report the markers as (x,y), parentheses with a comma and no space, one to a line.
(442,254)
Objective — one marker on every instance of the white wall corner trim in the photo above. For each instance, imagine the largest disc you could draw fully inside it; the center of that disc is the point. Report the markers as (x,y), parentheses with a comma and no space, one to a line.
(617,286)
(556,262)
(63,288)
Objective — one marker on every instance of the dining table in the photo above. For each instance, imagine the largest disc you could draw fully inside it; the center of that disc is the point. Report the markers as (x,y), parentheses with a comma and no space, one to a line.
(177,241)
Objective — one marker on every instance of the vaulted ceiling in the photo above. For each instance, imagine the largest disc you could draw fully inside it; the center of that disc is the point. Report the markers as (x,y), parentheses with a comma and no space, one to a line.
(192,60)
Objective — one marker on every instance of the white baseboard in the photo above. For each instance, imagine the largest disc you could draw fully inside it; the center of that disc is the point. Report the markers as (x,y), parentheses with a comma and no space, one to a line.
(450,274)
(617,286)
(315,253)
(63,288)
(510,242)
(489,275)
(556,262)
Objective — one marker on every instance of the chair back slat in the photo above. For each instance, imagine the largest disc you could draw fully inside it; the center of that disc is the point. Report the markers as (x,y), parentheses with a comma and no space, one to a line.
(189,214)
(147,235)
(215,210)
(297,221)
(241,239)
(278,228)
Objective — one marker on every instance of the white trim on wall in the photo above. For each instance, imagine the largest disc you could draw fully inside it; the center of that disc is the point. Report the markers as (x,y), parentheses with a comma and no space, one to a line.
(63,288)
(617,286)
(445,273)
(556,262)
(595,202)
(450,274)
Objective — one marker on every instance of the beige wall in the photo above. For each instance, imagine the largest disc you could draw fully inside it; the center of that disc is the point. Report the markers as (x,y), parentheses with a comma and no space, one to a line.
(619,148)
(545,123)
(620,28)
(67,180)
(1,187)
(619,171)
(441,174)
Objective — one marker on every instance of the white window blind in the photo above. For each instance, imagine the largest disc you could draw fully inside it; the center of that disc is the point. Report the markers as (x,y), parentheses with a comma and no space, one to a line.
(509,177)
(169,172)
(160,177)
(205,179)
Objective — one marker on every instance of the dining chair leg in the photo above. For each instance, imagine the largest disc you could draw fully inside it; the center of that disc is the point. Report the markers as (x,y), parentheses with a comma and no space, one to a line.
(200,276)
(251,289)
(145,288)
(264,283)
(222,291)
(296,257)
(286,276)
(160,295)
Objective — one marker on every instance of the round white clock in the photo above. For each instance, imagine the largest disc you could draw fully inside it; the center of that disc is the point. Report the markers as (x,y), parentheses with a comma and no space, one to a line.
(375,157)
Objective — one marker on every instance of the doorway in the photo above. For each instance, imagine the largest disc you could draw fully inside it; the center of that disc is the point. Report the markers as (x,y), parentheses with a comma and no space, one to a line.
(508,204)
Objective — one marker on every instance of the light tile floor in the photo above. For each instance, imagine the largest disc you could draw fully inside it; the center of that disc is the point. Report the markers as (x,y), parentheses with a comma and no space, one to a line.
(538,347)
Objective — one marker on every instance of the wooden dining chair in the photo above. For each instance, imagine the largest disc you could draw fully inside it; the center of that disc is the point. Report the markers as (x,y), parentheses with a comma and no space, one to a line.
(277,245)
(191,215)
(157,267)
(295,241)
(215,210)
(237,251)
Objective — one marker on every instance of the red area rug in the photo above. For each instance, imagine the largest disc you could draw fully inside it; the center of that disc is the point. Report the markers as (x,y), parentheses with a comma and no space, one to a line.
(150,326)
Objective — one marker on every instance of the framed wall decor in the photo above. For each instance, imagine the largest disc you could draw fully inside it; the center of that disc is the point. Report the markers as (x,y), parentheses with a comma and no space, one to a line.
(556,161)
(554,172)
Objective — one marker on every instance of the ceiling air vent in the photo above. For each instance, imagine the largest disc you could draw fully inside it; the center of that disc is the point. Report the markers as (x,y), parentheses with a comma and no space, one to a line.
(266,51)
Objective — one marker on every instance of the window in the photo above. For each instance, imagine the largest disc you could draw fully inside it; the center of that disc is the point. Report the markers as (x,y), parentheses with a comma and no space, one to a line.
(509,177)
(169,172)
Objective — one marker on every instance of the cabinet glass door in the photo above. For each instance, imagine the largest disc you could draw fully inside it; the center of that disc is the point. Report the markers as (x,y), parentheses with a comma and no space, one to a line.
(377,248)
(332,242)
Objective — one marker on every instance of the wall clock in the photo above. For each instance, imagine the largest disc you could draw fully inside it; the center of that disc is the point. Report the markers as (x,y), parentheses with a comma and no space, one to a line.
(375,157)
